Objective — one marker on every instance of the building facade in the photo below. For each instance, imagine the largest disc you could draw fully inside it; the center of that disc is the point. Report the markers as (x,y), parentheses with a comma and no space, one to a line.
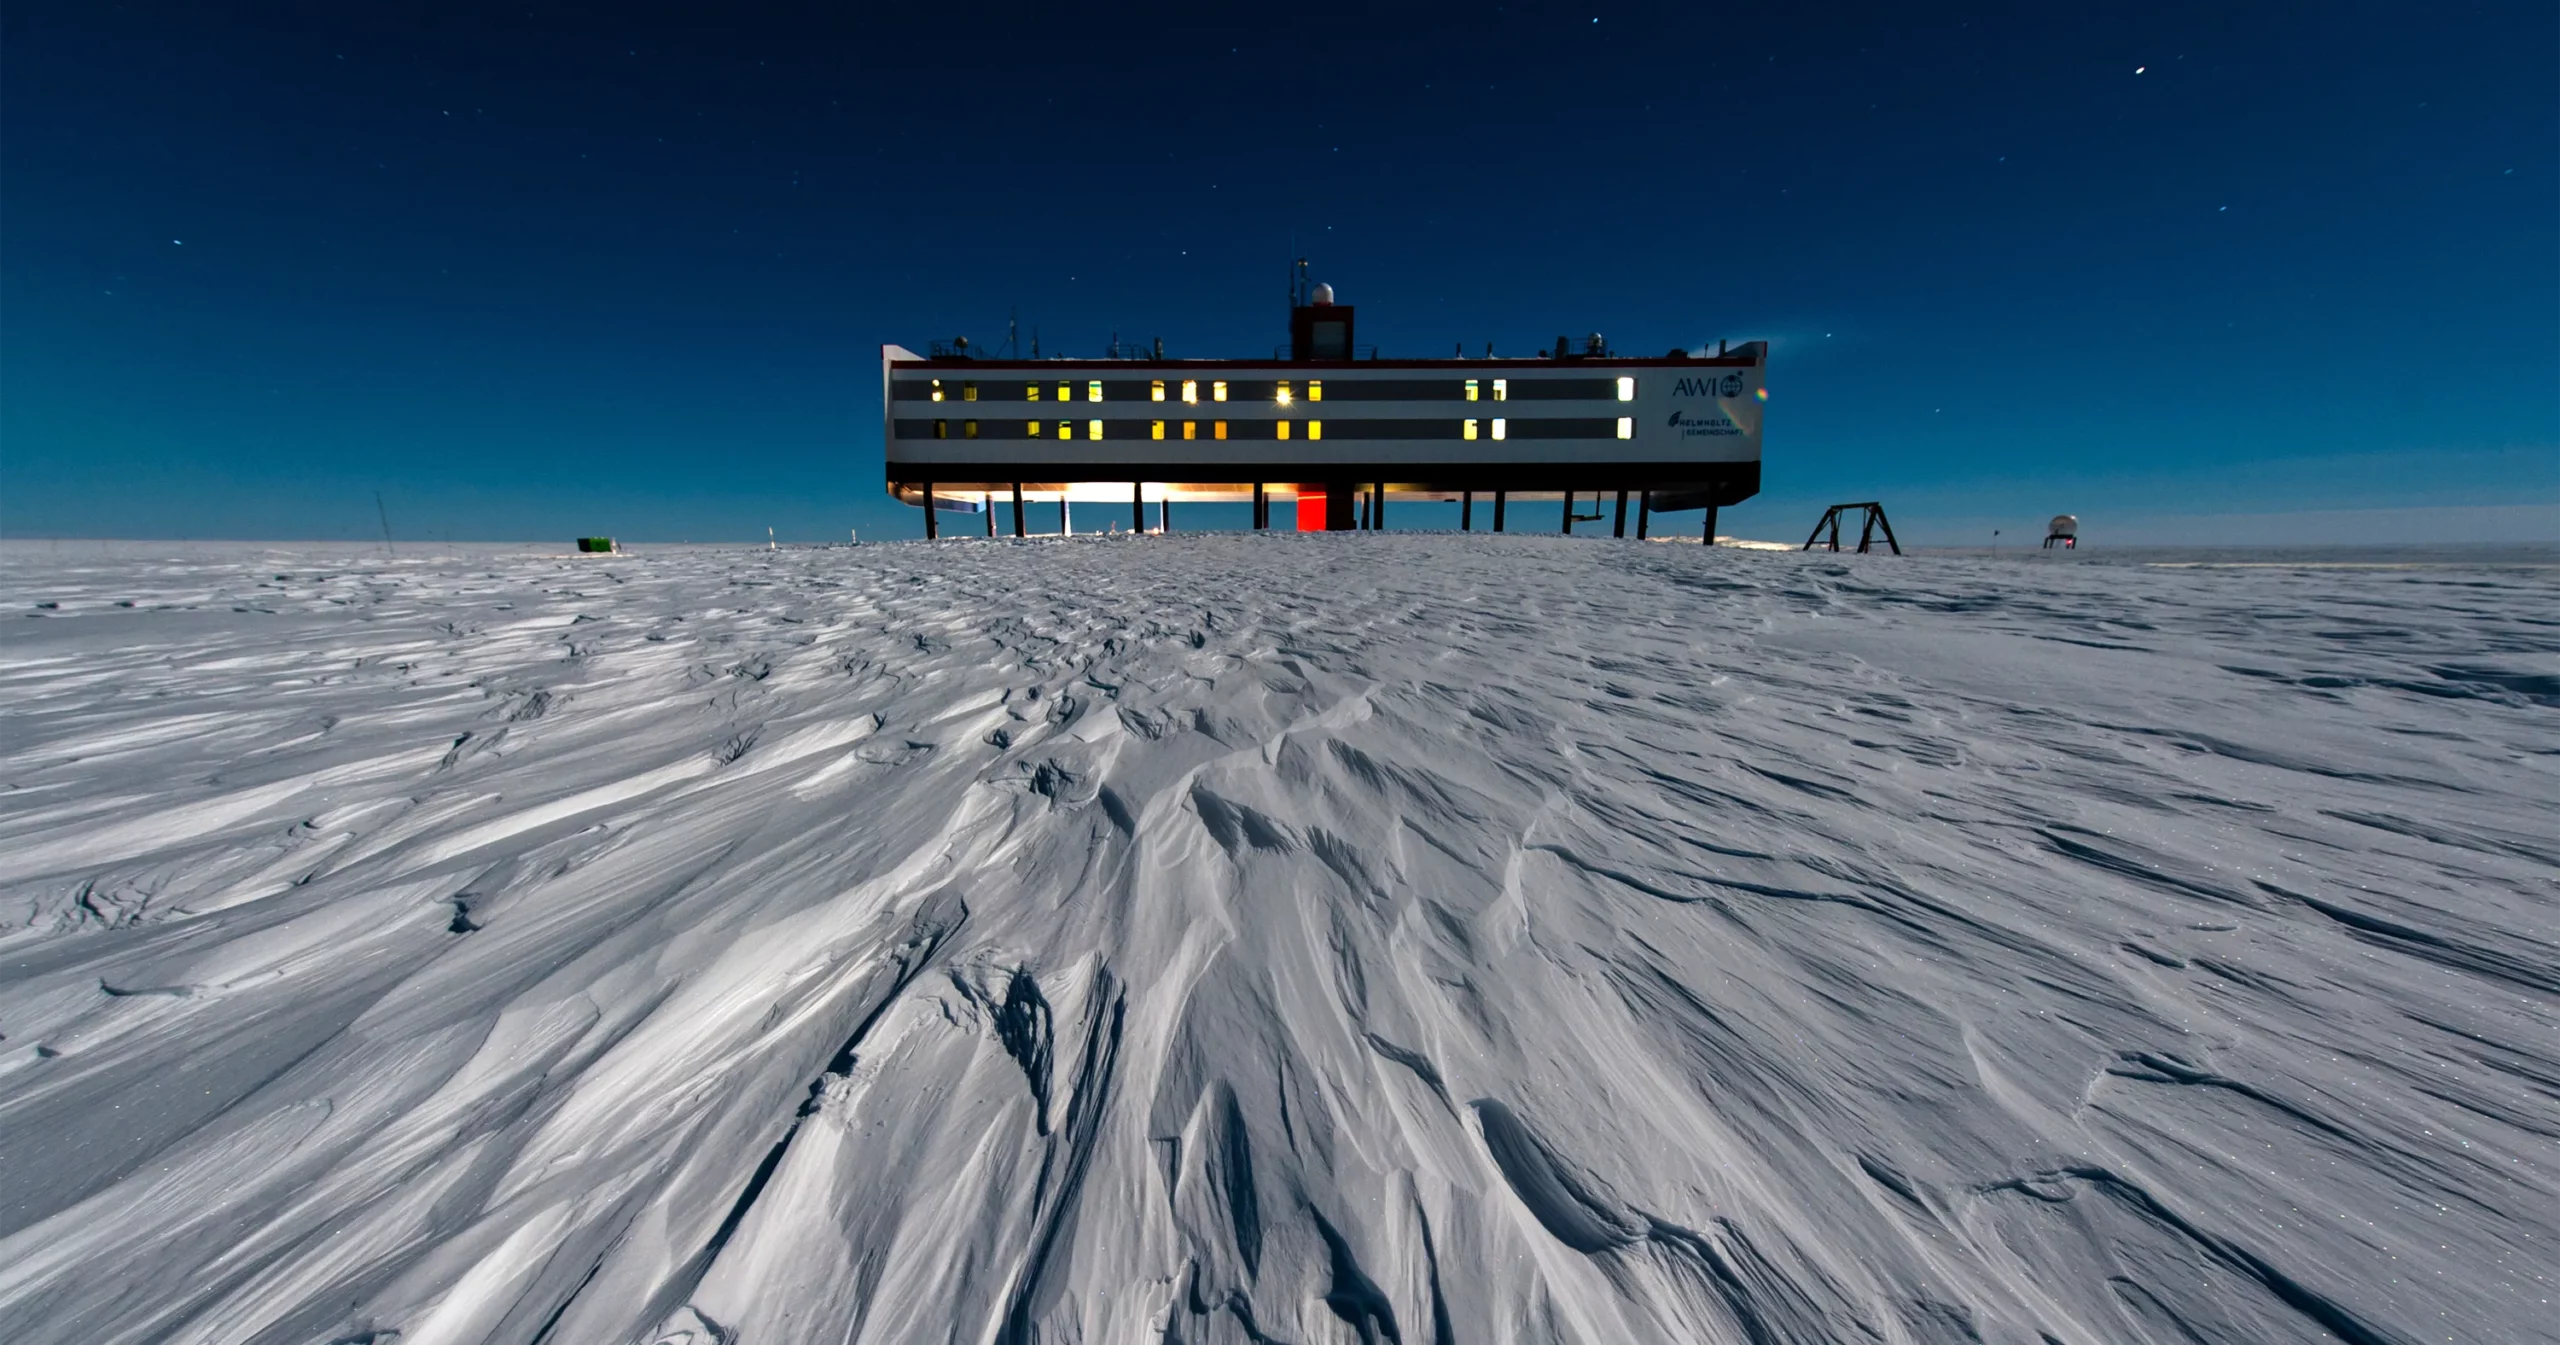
(1681,431)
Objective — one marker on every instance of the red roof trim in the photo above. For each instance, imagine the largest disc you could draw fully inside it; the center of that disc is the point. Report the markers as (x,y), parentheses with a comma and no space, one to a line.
(1138,368)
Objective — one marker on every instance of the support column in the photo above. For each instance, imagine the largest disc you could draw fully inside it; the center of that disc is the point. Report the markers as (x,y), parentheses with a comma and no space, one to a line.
(1341,508)
(1711,525)
(1138,507)
(1622,516)
(1568,513)
(1644,513)
(1498,497)
(1378,507)
(1261,503)
(1164,513)
(1017,509)
(1466,511)
(931,530)
(987,501)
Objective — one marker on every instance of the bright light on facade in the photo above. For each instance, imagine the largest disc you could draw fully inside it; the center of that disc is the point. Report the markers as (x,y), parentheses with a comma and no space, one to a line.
(1626,392)
(1497,427)
(1626,426)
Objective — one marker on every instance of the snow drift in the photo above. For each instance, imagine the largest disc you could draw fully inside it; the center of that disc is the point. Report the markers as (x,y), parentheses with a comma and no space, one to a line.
(1226,938)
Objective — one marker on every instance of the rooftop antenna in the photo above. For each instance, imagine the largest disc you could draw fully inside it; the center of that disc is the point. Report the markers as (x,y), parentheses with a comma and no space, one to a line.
(1013,333)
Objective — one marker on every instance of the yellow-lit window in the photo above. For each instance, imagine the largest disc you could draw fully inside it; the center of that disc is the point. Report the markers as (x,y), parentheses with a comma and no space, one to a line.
(1283,396)
(1626,392)
(1471,394)
(968,392)
(1218,390)
(1497,427)
(1626,426)
(1501,392)
(1066,429)
(1031,429)
(942,429)
(1191,429)
(1315,389)
(1066,392)
(1191,391)
(1469,432)
(1160,429)
(1093,429)
(969,429)
(1219,430)
(1093,390)
(937,389)
(1030,392)
(1315,429)
(1157,390)
(1284,428)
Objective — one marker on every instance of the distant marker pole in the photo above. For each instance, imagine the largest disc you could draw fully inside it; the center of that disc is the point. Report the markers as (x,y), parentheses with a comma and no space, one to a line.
(387,548)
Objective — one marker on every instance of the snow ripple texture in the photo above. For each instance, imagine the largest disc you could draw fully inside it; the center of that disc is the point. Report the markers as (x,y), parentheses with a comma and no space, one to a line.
(1414,938)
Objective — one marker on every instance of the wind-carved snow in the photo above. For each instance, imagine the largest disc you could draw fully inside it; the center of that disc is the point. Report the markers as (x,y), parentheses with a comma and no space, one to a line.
(1222,939)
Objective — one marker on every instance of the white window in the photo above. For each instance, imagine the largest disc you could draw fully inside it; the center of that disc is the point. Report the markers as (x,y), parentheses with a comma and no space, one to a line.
(1093,391)
(1191,391)
(1283,397)
(937,389)
(1626,425)
(1157,394)
(1497,427)
(1218,390)
(1626,392)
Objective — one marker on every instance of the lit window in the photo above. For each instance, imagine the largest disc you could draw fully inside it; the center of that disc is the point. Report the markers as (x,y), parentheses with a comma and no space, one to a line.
(1191,391)
(1626,392)
(1191,429)
(1093,428)
(1501,392)
(1497,427)
(1093,390)
(1157,392)
(1160,430)
(1626,424)
(968,392)
(1283,397)
(1030,392)
(1315,429)
(1031,429)
(1315,389)
(1066,429)
(1219,430)
(969,429)
(1470,431)
(937,389)
(1218,390)
(942,429)
(1284,429)
(1471,392)
(1066,392)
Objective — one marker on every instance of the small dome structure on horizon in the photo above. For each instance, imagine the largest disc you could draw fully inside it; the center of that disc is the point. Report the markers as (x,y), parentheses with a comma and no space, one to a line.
(1321,296)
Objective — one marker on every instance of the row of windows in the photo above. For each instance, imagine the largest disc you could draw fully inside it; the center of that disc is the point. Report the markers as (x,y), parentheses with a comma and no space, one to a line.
(1496,428)
(1283,392)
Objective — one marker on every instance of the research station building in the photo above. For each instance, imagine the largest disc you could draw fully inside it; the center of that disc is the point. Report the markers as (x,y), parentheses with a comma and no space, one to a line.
(1331,430)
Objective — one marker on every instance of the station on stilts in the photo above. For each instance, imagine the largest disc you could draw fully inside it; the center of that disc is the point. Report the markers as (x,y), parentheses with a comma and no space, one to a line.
(1324,435)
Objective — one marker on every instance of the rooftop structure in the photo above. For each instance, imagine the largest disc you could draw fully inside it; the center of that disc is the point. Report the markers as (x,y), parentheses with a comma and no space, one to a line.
(1338,435)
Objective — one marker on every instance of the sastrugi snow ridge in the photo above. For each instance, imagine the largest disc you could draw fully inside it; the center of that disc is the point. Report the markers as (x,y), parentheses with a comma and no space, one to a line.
(1352,938)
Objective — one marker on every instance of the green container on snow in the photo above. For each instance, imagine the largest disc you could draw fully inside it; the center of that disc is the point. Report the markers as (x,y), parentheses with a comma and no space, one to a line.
(595,544)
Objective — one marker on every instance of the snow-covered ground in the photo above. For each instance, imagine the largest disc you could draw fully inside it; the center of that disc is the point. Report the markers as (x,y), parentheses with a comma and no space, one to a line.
(1304,938)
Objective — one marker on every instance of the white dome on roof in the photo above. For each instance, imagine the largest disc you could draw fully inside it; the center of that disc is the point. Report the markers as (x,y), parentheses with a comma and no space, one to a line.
(1322,294)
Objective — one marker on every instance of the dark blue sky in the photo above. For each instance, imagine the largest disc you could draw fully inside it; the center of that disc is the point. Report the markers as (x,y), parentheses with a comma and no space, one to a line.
(532,273)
